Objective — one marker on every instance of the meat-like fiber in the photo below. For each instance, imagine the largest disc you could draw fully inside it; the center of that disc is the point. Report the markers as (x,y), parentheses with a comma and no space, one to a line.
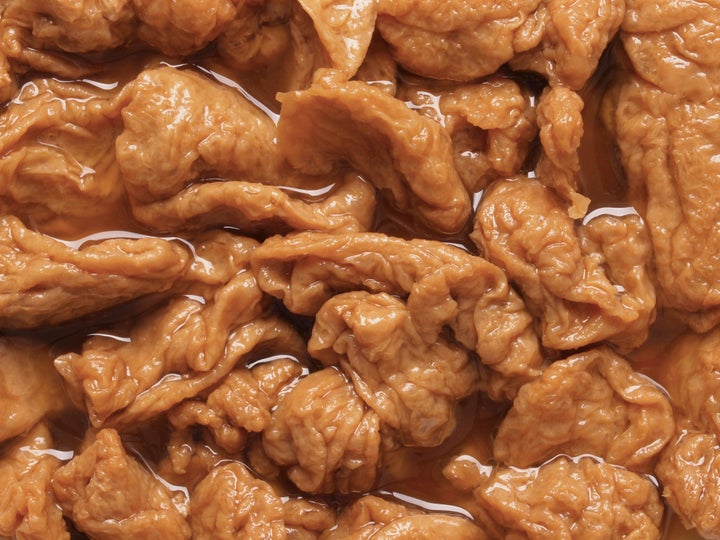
(380,519)
(463,40)
(229,503)
(324,435)
(689,470)
(109,495)
(664,116)
(181,27)
(561,129)
(345,28)
(57,152)
(206,330)
(336,122)
(491,123)
(445,287)
(240,404)
(29,387)
(255,208)
(67,25)
(689,466)
(45,281)
(691,374)
(306,519)
(585,283)
(28,507)
(412,384)
(589,403)
(160,151)
(564,499)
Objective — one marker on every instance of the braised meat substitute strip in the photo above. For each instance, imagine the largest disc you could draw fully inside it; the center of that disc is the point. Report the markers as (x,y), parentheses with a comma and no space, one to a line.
(303,269)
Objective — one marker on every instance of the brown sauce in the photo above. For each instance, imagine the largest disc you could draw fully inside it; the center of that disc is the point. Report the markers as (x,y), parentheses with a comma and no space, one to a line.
(411,474)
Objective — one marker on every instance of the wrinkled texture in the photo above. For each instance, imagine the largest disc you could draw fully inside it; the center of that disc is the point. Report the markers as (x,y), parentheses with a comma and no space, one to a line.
(664,115)
(335,122)
(411,384)
(306,519)
(325,436)
(585,283)
(240,404)
(57,152)
(561,129)
(564,499)
(372,517)
(28,508)
(689,470)
(45,281)
(29,388)
(457,40)
(589,403)
(181,192)
(462,40)
(66,25)
(204,334)
(444,286)
(689,467)
(188,461)
(240,232)
(691,375)
(491,124)
(378,67)
(244,146)
(180,27)
(8,82)
(277,36)
(564,39)
(34,32)
(109,495)
(673,46)
(229,503)
(255,208)
(345,28)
